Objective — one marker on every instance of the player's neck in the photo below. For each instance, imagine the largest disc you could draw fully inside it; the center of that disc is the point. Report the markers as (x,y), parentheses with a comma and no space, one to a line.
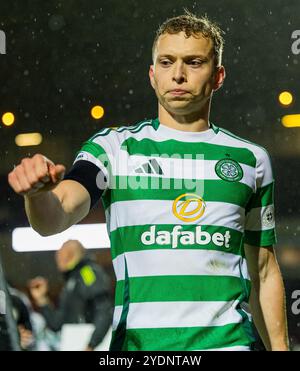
(194,122)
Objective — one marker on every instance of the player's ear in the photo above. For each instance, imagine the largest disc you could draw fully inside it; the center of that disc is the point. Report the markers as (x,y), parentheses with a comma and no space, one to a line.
(219,77)
(151,76)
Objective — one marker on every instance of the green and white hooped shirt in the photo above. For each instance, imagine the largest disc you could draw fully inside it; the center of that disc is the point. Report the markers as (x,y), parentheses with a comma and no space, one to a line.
(179,207)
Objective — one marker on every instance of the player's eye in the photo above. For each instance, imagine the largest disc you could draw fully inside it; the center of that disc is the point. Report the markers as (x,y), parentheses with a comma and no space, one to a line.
(165,62)
(195,62)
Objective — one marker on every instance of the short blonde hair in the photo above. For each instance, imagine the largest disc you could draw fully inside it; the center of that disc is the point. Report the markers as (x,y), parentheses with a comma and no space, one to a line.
(193,25)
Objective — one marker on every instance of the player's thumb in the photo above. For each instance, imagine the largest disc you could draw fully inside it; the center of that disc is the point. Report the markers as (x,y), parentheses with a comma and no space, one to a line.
(60,171)
(56,172)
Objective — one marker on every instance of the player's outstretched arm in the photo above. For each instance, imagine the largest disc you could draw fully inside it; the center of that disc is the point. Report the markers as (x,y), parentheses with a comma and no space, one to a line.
(52,204)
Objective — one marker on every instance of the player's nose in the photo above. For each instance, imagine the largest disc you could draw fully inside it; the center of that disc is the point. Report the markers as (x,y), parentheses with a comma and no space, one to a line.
(179,74)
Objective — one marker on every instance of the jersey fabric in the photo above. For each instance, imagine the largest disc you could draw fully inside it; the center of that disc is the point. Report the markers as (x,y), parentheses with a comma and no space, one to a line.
(179,207)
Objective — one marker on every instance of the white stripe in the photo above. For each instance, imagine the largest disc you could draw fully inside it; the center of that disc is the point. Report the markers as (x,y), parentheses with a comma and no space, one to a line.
(180,263)
(111,143)
(185,136)
(263,169)
(124,213)
(178,168)
(186,314)
(119,267)
(117,316)
(113,140)
(255,219)
(182,314)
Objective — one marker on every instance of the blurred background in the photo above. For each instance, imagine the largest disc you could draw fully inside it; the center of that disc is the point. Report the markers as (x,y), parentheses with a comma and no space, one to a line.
(65,57)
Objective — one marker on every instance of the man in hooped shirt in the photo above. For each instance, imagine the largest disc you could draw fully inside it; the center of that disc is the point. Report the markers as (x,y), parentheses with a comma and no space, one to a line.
(189,210)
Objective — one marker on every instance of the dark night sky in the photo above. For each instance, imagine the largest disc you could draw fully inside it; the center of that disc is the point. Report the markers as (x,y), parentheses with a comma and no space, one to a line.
(65,56)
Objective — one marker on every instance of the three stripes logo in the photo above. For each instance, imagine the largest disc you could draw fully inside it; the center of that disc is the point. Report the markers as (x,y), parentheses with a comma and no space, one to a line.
(150,167)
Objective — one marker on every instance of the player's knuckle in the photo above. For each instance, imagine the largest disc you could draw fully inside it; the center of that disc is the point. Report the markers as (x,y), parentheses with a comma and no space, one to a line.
(25,161)
(18,169)
(38,157)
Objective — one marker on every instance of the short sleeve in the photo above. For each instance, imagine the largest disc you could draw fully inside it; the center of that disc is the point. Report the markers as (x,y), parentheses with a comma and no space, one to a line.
(91,168)
(259,214)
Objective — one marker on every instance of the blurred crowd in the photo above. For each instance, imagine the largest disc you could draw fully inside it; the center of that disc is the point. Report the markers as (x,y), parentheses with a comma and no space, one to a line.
(85,299)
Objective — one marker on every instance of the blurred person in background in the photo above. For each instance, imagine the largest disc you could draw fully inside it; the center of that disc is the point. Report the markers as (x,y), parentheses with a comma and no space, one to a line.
(33,331)
(85,297)
(16,329)
(22,315)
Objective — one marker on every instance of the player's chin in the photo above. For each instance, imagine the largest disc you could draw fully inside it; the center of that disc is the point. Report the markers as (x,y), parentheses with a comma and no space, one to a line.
(179,103)
(180,98)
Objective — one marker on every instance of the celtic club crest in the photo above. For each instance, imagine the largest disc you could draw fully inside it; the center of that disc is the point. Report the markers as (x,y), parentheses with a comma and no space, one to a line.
(229,170)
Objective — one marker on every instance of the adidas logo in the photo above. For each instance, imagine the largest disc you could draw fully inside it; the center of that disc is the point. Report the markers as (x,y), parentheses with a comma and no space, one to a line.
(150,167)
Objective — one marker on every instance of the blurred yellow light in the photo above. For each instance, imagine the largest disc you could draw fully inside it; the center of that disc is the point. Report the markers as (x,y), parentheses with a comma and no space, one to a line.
(291,121)
(8,118)
(97,112)
(285,98)
(30,139)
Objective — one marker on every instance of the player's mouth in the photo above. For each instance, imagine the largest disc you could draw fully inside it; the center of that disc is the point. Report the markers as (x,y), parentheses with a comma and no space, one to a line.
(177,92)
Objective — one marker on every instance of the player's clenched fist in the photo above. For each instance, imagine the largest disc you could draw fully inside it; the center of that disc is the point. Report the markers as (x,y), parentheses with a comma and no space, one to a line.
(35,175)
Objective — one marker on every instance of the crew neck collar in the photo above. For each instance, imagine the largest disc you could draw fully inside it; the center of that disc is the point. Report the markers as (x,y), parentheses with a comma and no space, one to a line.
(182,135)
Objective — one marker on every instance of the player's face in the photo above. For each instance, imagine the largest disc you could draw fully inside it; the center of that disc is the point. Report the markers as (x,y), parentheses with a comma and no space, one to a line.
(186,64)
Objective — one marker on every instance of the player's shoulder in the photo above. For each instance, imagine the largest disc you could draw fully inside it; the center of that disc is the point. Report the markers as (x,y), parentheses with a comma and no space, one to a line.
(231,139)
(113,132)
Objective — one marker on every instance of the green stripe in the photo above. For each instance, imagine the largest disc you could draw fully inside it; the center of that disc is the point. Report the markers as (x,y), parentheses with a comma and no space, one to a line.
(93,148)
(214,127)
(261,238)
(98,152)
(185,338)
(183,288)
(155,123)
(136,128)
(118,337)
(264,196)
(170,147)
(128,239)
(246,324)
(127,188)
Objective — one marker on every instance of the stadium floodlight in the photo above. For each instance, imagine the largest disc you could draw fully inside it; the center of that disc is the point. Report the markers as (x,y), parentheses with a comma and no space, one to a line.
(92,236)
